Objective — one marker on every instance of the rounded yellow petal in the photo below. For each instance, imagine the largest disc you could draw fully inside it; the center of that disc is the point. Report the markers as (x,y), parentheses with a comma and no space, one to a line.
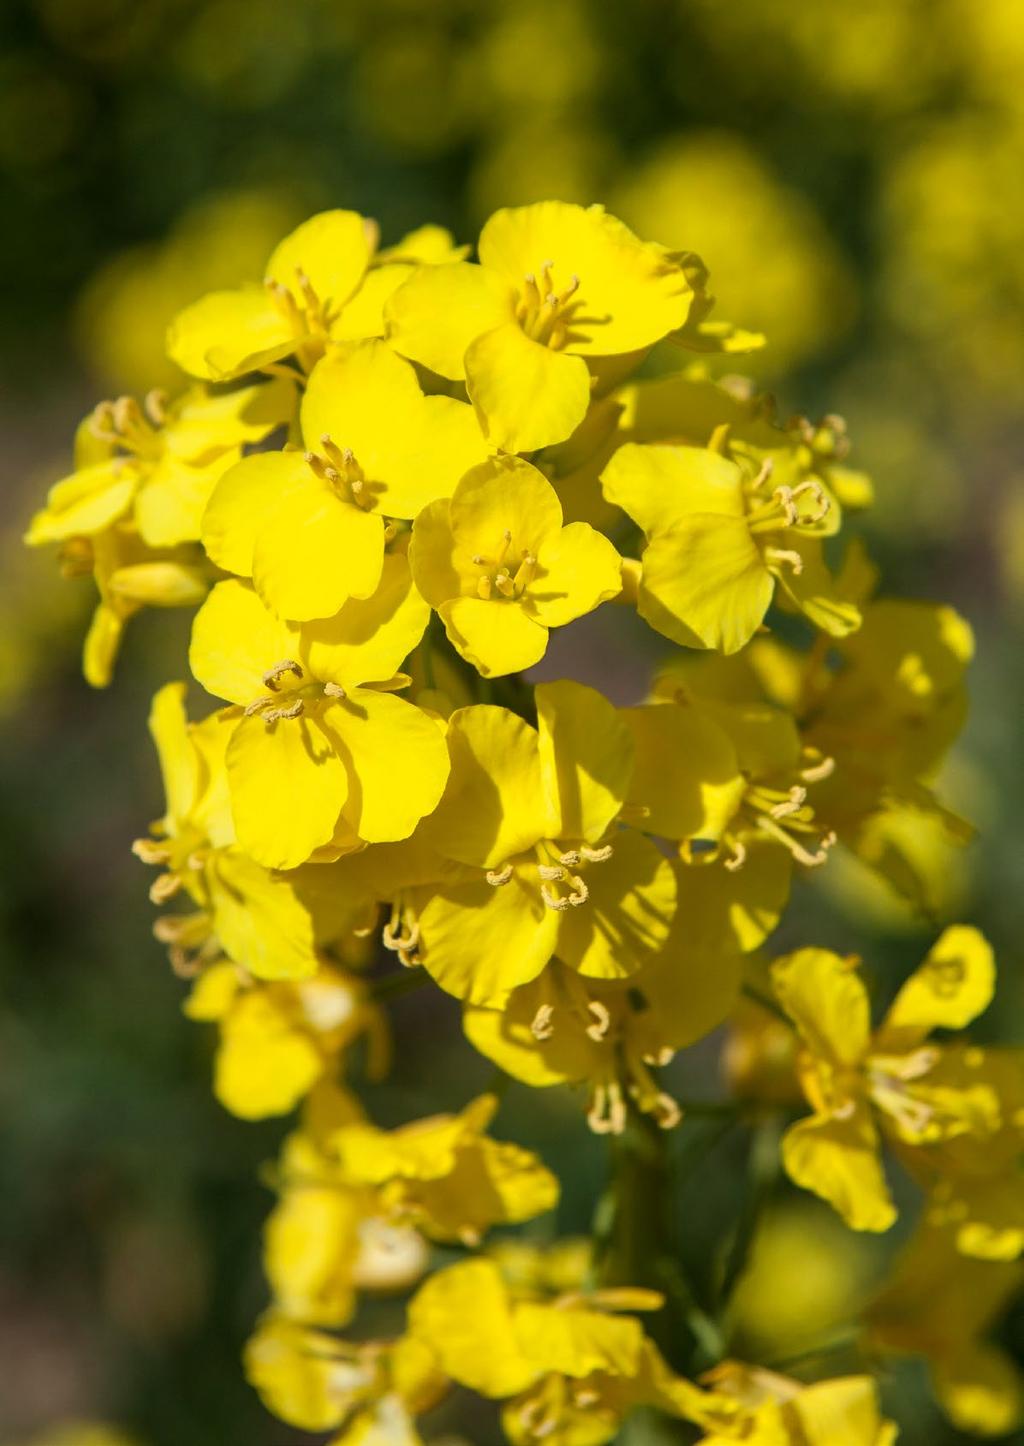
(264,1066)
(240,502)
(526,395)
(630,294)
(586,757)
(439,310)
(235,639)
(84,503)
(578,568)
(497,636)
(493,806)
(658,484)
(479,942)
(464,1315)
(504,495)
(813,589)
(950,989)
(432,555)
(396,758)
(315,550)
(367,640)
(173,499)
(704,583)
(686,776)
(839,1160)
(626,918)
(179,761)
(332,250)
(826,1000)
(288,786)
(228,333)
(258,919)
(311,1244)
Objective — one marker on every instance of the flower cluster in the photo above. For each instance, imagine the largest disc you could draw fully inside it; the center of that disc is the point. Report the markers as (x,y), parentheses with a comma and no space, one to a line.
(392,474)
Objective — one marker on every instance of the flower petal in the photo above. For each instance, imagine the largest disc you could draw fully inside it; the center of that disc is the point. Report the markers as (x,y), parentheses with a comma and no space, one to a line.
(315,550)
(586,758)
(235,639)
(950,989)
(704,583)
(839,1160)
(240,502)
(288,786)
(257,918)
(658,485)
(526,395)
(367,640)
(497,636)
(479,942)
(228,333)
(396,758)
(433,317)
(627,917)
(826,1000)
(687,775)
(332,249)
(578,568)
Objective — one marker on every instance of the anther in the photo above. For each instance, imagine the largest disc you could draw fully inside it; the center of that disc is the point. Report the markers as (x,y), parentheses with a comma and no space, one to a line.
(600,1020)
(552,899)
(155,406)
(334,690)
(542,1025)
(666,1111)
(497,877)
(784,556)
(151,850)
(818,771)
(767,468)
(793,804)
(553,872)
(596,856)
(272,677)
(164,887)
(398,937)
(277,715)
(738,857)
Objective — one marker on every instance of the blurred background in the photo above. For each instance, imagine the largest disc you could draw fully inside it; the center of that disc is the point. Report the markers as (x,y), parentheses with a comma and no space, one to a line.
(852,174)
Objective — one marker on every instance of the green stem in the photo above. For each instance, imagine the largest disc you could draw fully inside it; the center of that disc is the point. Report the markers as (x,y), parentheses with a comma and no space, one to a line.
(763,1168)
(636,1240)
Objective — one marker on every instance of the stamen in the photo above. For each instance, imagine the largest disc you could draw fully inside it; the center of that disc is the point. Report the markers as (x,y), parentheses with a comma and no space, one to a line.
(552,900)
(334,690)
(596,856)
(767,468)
(397,936)
(607,1113)
(155,406)
(164,887)
(784,556)
(793,804)
(666,1111)
(580,893)
(497,877)
(276,715)
(739,854)
(272,677)
(151,850)
(601,1017)
(551,872)
(542,1025)
(802,856)
(819,771)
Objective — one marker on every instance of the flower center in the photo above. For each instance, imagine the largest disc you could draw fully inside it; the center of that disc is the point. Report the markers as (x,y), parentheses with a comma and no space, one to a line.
(132,430)
(798,509)
(338,466)
(559,870)
(543,313)
(289,692)
(778,811)
(497,575)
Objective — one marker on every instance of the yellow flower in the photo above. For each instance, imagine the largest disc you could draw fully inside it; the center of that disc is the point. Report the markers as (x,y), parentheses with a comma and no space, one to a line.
(444,1175)
(309,527)
(721,532)
(921,1093)
(160,460)
(942,1305)
(328,1239)
(556,285)
(760,1408)
(499,567)
(310,277)
(563,1029)
(268,924)
(314,1381)
(574,1365)
(277,1040)
(313,754)
(532,811)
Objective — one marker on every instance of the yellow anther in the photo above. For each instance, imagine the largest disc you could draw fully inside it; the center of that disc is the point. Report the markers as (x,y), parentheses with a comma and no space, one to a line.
(738,856)
(554,872)
(802,855)
(793,804)
(666,1111)
(785,557)
(600,1020)
(553,900)
(818,771)
(155,406)
(607,1113)
(542,1024)
(596,856)
(483,588)
(399,937)
(151,850)
(164,887)
(272,677)
(767,468)
(277,715)
(497,877)
(334,690)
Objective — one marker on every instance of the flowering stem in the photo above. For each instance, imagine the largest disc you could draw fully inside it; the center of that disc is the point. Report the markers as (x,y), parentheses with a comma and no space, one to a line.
(763,1165)
(636,1241)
